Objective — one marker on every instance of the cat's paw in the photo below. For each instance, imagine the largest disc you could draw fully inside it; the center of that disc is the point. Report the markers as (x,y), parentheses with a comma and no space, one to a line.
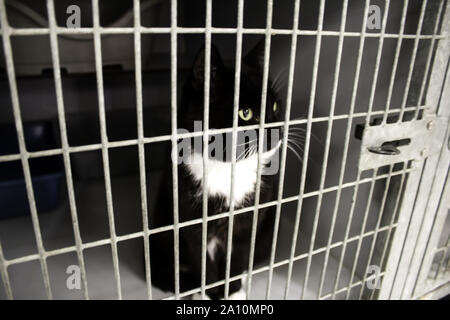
(198,296)
(238,295)
(244,281)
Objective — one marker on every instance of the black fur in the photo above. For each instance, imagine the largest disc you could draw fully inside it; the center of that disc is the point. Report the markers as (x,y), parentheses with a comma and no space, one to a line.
(190,205)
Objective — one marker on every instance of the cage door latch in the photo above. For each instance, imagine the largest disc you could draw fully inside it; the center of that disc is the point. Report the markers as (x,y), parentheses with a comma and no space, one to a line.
(390,143)
(389,149)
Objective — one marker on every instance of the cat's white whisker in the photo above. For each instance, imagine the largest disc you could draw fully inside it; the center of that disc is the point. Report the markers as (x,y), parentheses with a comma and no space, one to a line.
(301,130)
(219,173)
(278,81)
(298,136)
(241,144)
(297,129)
(295,152)
(297,145)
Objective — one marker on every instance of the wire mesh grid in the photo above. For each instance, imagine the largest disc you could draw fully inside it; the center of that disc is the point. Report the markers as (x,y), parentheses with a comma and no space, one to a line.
(377,235)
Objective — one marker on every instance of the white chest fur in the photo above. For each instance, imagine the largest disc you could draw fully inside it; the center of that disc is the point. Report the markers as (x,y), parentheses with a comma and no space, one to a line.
(219,175)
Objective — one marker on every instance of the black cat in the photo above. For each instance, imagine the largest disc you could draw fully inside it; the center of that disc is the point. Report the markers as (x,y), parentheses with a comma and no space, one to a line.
(190,190)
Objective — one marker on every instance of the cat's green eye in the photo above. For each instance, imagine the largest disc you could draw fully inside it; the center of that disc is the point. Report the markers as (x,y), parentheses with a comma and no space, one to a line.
(246,114)
(275,107)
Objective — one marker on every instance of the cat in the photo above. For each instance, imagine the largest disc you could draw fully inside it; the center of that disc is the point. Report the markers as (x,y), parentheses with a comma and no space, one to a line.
(190,187)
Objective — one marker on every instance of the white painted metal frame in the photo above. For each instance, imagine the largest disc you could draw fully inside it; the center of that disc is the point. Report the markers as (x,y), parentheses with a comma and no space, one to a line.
(420,203)
(399,278)
(424,283)
(437,206)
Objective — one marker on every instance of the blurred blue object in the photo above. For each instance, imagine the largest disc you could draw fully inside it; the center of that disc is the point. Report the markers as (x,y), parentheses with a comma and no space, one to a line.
(47,172)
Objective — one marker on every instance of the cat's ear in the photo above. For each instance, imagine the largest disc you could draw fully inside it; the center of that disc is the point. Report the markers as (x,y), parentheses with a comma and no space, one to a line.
(198,70)
(255,58)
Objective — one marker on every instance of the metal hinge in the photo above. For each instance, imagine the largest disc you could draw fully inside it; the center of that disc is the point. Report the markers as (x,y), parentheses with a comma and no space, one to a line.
(391,143)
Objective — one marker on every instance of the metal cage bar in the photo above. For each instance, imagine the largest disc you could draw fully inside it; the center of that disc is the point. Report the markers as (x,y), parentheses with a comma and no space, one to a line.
(436,203)
(374,240)
(147,140)
(65,143)
(429,58)
(141,146)
(173,107)
(363,225)
(135,235)
(214,30)
(22,146)
(104,139)
(295,24)
(413,59)
(371,100)
(402,264)
(262,116)
(283,263)
(394,214)
(406,210)
(421,284)
(352,105)
(307,143)
(237,82)
(5,276)
(207,75)
(422,90)
(396,58)
(327,146)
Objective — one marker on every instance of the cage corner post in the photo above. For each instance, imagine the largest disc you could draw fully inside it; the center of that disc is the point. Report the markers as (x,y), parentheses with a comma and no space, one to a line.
(415,216)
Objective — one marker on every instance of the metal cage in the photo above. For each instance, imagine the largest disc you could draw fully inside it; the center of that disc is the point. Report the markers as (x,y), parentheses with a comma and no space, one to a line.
(405,233)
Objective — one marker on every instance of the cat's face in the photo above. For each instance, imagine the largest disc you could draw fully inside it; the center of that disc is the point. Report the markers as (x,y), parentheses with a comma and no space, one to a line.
(222,102)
